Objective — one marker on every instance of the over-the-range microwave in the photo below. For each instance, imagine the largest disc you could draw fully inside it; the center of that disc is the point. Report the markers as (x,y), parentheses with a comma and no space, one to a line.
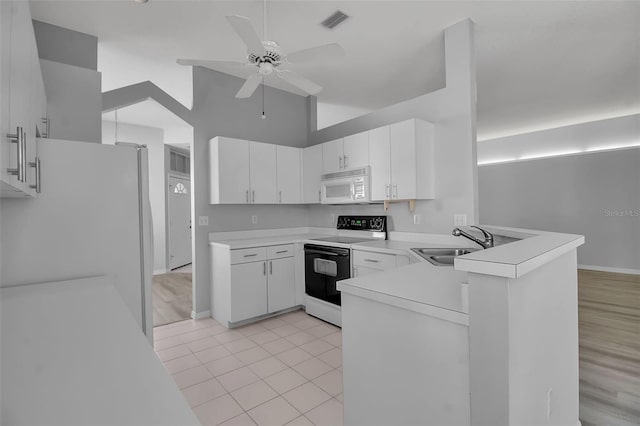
(351,186)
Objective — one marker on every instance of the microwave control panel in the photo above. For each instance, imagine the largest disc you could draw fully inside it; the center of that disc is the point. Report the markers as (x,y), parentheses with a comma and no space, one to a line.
(362,223)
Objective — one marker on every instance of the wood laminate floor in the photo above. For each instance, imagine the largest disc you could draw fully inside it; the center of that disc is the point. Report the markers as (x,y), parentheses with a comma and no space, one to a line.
(171,297)
(609,327)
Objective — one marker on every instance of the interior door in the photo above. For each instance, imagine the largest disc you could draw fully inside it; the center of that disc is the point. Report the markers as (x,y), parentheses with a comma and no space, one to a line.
(179,222)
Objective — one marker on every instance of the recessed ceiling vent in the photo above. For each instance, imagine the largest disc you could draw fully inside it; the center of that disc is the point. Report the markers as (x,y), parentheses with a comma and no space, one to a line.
(337,18)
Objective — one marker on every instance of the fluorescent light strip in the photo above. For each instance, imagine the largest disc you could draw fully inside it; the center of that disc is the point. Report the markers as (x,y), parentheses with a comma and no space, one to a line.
(601,148)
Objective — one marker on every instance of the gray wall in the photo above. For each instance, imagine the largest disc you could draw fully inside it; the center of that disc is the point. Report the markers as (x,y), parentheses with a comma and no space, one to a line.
(66,46)
(582,194)
(68,60)
(216,112)
(74,104)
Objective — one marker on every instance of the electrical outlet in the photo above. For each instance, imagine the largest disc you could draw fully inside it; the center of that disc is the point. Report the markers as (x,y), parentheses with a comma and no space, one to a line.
(416,219)
(254,219)
(549,403)
(203,220)
(460,219)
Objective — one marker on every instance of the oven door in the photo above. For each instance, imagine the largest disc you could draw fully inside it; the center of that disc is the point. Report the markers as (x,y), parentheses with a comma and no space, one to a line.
(324,267)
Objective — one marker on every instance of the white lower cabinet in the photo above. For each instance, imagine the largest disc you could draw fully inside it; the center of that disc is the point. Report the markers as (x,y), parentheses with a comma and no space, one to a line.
(368,262)
(248,290)
(252,282)
(281,284)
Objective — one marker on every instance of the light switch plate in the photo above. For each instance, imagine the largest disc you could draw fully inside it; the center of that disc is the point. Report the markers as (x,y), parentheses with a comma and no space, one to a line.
(254,219)
(203,220)
(459,219)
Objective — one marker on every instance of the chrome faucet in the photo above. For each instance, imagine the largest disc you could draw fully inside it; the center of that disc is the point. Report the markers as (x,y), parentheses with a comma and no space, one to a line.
(486,243)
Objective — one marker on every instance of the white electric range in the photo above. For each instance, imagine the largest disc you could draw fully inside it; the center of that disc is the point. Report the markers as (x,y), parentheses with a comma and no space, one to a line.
(328,260)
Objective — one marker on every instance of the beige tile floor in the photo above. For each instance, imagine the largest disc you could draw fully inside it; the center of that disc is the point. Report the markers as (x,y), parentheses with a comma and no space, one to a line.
(282,370)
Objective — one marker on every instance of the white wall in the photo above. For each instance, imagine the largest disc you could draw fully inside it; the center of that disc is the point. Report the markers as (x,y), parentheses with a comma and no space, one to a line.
(154,139)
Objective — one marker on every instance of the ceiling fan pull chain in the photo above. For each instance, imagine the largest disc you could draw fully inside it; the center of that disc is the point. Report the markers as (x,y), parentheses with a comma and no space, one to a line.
(263,114)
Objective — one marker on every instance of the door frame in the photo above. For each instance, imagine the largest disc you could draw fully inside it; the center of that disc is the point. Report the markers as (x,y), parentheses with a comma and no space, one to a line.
(176,175)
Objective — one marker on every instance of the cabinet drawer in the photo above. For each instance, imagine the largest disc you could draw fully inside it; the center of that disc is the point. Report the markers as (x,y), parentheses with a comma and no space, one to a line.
(277,252)
(254,254)
(369,259)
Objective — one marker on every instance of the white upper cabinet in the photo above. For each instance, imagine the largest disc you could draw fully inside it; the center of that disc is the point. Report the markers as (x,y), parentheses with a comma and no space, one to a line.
(408,171)
(229,171)
(311,170)
(22,100)
(289,164)
(346,153)
(356,150)
(379,153)
(263,173)
(332,156)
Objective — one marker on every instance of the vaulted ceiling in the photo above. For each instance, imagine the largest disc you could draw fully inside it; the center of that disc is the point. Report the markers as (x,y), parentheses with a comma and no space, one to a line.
(539,64)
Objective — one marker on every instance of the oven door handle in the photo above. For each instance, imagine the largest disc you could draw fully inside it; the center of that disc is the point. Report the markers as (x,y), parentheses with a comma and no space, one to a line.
(328,253)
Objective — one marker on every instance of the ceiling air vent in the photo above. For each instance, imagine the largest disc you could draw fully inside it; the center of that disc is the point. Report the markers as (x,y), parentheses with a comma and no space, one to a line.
(337,18)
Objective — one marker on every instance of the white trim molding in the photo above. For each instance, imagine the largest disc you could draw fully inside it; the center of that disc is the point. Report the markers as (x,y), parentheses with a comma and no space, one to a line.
(200,315)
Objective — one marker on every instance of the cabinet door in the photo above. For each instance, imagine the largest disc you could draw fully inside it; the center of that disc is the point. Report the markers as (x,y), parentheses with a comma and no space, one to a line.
(361,271)
(332,153)
(230,159)
(263,173)
(248,290)
(6,161)
(311,170)
(403,161)
(356,150)
(379,152)
(289,174)
(281,284)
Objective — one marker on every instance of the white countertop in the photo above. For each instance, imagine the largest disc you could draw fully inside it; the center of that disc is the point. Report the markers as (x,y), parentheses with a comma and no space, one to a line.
(421,287)
(274,240)
(72,354)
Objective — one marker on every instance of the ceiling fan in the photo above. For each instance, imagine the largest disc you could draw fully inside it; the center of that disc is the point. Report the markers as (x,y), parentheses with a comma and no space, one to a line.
(268,58)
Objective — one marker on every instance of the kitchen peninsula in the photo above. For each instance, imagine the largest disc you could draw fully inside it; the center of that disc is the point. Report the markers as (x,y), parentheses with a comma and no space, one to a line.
(491,341)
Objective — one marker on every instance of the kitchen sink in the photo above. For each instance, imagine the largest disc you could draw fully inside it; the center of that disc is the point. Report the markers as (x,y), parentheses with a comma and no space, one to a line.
(442,256)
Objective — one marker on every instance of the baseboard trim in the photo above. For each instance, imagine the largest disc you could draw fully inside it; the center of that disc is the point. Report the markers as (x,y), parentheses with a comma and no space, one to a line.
(159,271)
(608,269)
(200,315)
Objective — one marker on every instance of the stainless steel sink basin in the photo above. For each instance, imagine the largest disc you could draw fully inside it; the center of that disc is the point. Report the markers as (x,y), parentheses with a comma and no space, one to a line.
(442,256)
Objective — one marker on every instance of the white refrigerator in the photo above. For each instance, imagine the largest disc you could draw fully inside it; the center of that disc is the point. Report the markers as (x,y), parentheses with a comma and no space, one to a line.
(92,218)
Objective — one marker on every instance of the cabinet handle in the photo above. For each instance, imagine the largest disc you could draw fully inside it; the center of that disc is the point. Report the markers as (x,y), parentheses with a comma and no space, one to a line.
(251,255)
(24,156)
(247,196)
(346,161)
(387,191)
(270,268)
(395,190)
(264,268)
(340,162)
(372,260)
(37,186)
(280,197)
(17,139)
(45,121)
(253,196)
(281,251)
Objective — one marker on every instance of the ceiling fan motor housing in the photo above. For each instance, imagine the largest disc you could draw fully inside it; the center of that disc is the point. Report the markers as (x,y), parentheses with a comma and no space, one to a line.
(272,55)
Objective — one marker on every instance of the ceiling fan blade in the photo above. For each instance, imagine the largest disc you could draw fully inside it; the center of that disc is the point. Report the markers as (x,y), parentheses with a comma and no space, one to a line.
(247,33)
(249,86)
(300,82)
(318,53)
(207,63)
